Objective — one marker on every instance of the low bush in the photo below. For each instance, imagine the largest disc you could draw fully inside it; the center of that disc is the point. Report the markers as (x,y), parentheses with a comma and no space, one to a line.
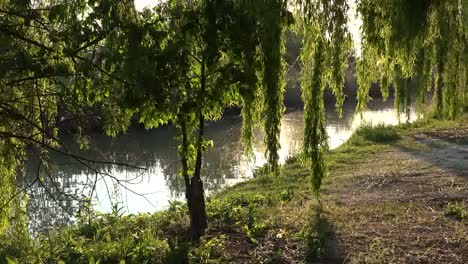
(379,134)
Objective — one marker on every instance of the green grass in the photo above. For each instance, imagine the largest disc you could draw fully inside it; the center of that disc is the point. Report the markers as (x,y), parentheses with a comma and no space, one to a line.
(456,210)
(254,212)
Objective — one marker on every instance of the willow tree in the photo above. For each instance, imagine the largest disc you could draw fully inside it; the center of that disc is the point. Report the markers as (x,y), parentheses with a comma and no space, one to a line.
(48,63)
(161,56)
(326,48)
(225,44)
(184,62)
(196,24)
(413,40)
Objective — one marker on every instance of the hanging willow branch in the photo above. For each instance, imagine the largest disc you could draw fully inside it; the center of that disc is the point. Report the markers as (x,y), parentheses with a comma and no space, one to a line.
(247,34)
(272,77)
(415,40)
(326,48)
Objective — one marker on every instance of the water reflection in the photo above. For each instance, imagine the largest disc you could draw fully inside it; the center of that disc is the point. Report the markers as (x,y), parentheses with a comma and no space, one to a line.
(152,189)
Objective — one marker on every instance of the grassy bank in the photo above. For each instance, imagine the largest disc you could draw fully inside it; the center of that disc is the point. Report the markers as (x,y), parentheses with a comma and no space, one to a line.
(393,195)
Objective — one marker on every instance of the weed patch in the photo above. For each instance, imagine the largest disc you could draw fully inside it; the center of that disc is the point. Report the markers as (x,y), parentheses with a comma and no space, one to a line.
(456,210)
(378,134)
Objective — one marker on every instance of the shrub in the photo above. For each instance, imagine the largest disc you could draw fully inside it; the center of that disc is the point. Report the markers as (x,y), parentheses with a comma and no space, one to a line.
(380,133)
(210,250)
(239,212)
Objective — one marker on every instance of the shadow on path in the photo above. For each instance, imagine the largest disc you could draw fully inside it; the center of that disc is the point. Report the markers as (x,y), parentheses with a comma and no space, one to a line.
(322,245)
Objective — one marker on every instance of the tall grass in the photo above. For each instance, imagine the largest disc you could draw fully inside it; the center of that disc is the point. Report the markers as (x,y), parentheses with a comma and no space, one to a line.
(380,133)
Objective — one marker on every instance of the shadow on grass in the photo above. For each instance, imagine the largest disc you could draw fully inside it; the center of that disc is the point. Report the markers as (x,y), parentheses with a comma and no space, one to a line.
(322,246)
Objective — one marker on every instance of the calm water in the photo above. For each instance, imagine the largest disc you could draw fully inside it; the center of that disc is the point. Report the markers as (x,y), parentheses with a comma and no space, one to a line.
(136,191)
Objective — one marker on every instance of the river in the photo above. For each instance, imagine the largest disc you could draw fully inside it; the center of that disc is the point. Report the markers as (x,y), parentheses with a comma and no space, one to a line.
(139,191)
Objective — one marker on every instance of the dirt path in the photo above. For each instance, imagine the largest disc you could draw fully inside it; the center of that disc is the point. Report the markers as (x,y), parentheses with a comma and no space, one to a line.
(395,206)
(402,201)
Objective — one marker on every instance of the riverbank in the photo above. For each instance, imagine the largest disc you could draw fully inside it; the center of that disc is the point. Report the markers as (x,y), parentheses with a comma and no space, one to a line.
(393,195)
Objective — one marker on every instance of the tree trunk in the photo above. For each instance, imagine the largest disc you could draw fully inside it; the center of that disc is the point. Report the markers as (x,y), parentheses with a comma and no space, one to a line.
(196,204)
(194,191)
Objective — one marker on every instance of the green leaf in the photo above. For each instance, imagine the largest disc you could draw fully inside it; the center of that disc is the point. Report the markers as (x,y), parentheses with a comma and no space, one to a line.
(11,261)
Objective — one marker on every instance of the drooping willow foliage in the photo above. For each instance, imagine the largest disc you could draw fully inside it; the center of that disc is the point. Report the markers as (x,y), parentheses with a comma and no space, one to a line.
(272,79)
(50,68)
(415,47)
(261,56)
(7,186)
(326,47)
(406,44)
(248,55)
(185,61)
